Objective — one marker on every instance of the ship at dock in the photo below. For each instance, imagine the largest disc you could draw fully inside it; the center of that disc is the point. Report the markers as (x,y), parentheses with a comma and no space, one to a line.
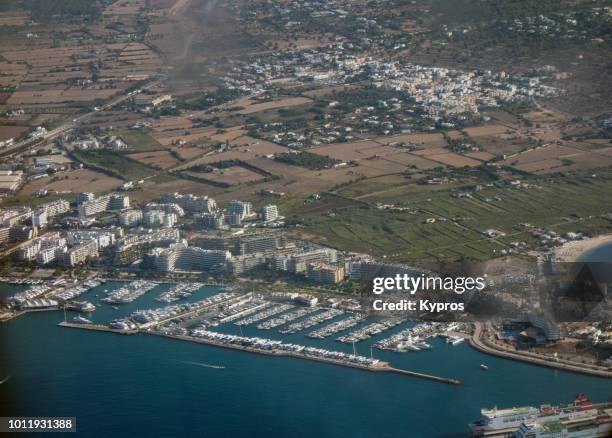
(593,420)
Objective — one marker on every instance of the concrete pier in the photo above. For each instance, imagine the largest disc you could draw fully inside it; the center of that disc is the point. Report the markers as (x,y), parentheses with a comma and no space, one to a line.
(381,367)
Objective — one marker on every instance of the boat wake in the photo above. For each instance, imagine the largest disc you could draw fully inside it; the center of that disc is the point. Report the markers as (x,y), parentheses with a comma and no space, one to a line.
(205,365)
(6,379)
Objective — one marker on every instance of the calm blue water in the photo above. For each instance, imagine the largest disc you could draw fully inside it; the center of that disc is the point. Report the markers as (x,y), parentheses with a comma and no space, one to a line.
(141,386)
(601,253)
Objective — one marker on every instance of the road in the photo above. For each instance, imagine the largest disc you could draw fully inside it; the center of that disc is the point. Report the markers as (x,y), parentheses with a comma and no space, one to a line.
(69,125)
(479,342)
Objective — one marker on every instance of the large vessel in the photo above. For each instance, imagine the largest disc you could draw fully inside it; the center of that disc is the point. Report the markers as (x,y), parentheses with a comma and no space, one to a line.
(505,422)
(594,423)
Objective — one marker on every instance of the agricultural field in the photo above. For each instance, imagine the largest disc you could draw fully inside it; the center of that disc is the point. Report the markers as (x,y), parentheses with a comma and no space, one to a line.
(457,230)
(114,165)
(81,180)
(230,176)
(156,159)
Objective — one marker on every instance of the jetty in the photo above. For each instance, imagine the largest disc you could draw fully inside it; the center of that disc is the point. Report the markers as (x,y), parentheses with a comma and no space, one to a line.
(378,366)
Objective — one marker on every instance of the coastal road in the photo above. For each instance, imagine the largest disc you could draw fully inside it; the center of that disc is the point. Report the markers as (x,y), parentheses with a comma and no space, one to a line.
(480,343)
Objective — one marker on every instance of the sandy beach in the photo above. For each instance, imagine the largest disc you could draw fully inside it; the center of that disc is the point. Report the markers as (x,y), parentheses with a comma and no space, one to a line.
(571,251)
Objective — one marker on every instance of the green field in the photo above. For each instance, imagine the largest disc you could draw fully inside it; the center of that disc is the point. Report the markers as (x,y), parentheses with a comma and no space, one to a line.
(573,202)
(114,164)
(139,140)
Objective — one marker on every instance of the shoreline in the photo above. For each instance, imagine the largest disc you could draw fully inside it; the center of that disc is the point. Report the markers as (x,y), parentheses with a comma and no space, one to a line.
(476,341)
(572,251)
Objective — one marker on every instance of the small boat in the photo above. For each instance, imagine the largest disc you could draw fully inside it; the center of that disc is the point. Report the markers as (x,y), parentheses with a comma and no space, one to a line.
(81,320)
(115,307)
(483,367)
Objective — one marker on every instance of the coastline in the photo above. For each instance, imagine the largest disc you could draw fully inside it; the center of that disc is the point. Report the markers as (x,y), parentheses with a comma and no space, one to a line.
(478,342)
(572,251)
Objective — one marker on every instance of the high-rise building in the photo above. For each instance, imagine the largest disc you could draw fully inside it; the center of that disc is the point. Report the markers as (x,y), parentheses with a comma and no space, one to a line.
(192,203)
(49,255)
(133,247)
(269,213)
(167,208)
(242,244)
(244,209)
(210,221)
(28,253)
(325,273)
(39,218)
(5,234)
(258,242)
(55,208)
(234,220)
(180,257)
(15,216)
(19,233)
(103,203)
(244,263)
(130,218)
(103,238)
(80,253)
(159,219)
(84,197)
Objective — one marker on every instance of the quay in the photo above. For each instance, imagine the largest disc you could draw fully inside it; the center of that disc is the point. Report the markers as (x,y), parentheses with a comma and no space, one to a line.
(380,367)
(479,342)
(97,327)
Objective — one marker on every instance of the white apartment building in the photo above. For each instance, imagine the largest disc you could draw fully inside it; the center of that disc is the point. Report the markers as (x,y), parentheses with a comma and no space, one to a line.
(269,213)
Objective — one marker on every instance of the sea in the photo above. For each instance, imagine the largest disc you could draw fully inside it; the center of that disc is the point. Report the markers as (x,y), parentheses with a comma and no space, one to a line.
(148,386)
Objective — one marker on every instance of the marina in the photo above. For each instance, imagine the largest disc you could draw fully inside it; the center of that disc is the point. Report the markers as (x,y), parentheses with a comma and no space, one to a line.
(286,318)
(267,313)
(70,293)
(414,338)
(311,321)
(336,327)
(129,292)
(370,330)
(179,291)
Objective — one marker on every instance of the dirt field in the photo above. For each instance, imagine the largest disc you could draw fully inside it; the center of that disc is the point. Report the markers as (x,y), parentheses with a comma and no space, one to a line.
(258,148)
(189,135)
(153,189)
(159,159)
(545,116)
(419,139)
(187,152)
(354,151)
(234,175)
(82,180)
(553,158)
(228,134)
(251,106)
(15,132)
(479,131)
(454,160)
